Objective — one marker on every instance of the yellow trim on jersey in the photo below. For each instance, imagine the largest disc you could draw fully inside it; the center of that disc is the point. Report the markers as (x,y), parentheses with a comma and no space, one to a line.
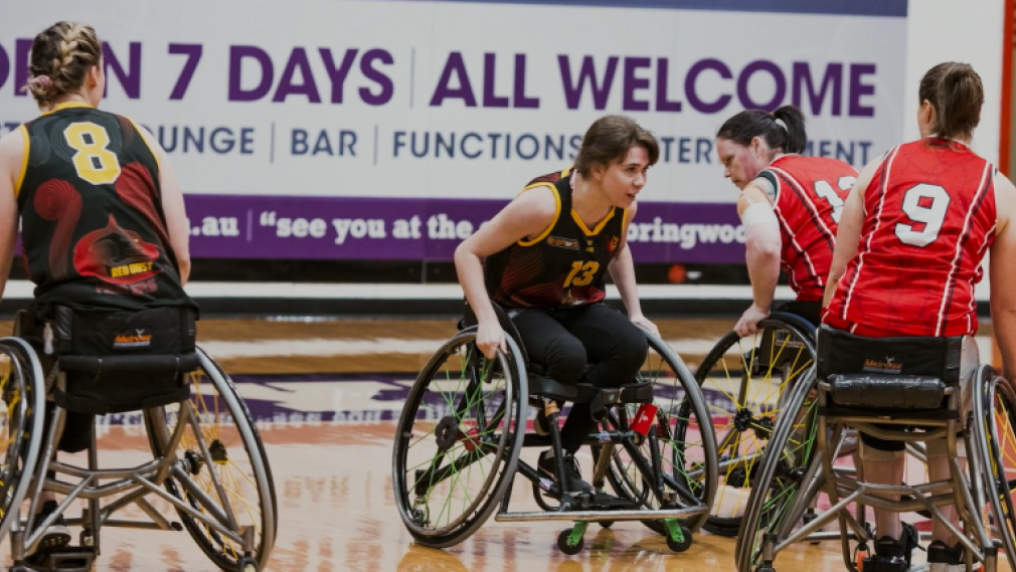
(141,134)
(567,171)
(24,160)
(599,227)
(67,105)
(624,223)
(557,213)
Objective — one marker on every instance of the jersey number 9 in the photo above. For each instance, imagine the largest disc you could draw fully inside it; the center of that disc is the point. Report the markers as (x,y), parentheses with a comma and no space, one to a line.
(93,161)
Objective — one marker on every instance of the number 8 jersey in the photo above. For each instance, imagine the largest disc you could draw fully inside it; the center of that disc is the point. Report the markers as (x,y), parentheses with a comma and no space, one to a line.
(562,267)
(929,218)
(93,232)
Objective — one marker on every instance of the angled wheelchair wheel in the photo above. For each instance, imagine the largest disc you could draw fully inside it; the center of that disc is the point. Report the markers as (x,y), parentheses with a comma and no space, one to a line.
(22,407)
(458,440)
(685,440)
(996,405)
(786,470)
(222,472)
(746,381)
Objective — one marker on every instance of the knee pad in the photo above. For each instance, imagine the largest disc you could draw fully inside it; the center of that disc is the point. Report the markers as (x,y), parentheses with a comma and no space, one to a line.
(876,451)
(937,448)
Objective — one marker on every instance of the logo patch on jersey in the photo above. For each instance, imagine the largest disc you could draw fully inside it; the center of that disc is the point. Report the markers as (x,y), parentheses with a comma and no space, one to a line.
(115,255)
(569,243)
(612,245)
(134,339)
(888,365)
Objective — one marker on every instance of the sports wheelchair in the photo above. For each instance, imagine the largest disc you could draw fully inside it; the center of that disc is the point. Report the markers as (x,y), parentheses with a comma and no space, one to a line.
(467,418)
(746,382)
(208,461)
(917,397)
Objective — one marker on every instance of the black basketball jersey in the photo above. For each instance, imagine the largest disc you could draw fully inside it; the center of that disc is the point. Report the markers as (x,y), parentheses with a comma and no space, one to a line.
(562,267)
(93,232)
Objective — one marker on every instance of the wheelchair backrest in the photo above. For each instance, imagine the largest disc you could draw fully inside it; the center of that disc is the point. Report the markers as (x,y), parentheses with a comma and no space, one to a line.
(116,361)
(840,352)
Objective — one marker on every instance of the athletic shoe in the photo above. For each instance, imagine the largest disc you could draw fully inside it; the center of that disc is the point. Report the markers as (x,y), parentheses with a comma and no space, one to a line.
(548,467)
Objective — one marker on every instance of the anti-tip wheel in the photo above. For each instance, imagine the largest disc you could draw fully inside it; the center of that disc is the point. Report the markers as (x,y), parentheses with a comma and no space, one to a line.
(685,544)
(606,523)
(562,543)
(248,564)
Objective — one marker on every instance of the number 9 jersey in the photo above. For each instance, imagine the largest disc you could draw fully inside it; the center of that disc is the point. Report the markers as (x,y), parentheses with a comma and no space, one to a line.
(93,232)
(929,218)
(562,267)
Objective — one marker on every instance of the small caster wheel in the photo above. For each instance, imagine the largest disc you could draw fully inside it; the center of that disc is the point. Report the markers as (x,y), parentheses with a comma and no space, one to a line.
(606,523)
(764,569)
(680,546)
(562,543)
(248,564)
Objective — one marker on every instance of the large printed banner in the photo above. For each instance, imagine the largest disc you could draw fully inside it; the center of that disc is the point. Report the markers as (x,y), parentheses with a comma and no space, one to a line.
(393,129)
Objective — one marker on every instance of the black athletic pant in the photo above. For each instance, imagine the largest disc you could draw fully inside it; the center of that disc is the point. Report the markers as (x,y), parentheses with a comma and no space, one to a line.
(564,341)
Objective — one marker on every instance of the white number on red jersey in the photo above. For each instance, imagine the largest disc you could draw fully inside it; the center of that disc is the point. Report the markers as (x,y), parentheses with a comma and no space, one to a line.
(925,204)
(825,191)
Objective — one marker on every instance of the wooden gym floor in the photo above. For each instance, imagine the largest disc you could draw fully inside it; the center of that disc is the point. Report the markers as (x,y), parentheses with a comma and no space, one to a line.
(322,395)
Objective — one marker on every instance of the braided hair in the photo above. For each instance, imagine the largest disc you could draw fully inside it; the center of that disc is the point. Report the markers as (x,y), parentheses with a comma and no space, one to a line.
(61,57)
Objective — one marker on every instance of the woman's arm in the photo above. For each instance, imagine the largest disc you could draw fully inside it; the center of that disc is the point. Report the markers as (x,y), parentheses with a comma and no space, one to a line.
(529,215)
(12,159)
(849,233)
(622,272)
(763,244)
(1002,276)
(172,207)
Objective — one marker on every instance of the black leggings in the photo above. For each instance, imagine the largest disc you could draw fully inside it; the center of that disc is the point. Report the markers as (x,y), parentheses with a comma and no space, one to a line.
(564,341)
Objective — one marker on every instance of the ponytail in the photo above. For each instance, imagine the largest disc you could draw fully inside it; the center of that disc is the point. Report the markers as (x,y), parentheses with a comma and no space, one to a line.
(782,129)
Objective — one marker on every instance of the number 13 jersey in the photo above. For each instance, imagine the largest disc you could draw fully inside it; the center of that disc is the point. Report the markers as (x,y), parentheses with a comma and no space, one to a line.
(929,218)
(562,267)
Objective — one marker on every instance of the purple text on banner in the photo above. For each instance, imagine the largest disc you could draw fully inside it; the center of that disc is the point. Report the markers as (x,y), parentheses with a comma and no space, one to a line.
(355,228)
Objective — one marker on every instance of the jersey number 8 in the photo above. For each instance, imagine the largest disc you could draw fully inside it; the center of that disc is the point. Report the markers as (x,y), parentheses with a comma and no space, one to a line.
(93,161)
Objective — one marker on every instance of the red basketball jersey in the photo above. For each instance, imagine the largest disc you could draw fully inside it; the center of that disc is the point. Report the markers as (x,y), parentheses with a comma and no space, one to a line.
(929,217)
(810,192)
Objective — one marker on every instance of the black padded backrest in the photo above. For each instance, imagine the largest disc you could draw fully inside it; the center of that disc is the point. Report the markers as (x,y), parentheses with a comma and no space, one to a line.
(840,352)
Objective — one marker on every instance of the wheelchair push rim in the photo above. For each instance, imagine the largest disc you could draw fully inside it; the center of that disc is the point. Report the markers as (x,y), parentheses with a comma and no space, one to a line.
(20,389)
(235,470)
(458,440)
(999,442)
(748,379)
(786,469)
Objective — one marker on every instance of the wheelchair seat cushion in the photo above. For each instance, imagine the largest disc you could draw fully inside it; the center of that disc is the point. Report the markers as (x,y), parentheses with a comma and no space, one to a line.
(117,361)
(886,392)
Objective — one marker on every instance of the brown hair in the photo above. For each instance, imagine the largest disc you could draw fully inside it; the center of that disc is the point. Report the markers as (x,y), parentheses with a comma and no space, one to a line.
(956,93)
(61,57)
(608,140)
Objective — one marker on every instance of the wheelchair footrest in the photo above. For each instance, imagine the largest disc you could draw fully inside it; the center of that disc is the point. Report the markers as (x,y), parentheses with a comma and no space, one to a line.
(604,501)
(886,391)
(65,559)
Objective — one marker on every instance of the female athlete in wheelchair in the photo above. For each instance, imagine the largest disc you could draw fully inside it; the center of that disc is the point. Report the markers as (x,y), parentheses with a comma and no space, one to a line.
(104,238)
(897,360)
(538,299)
